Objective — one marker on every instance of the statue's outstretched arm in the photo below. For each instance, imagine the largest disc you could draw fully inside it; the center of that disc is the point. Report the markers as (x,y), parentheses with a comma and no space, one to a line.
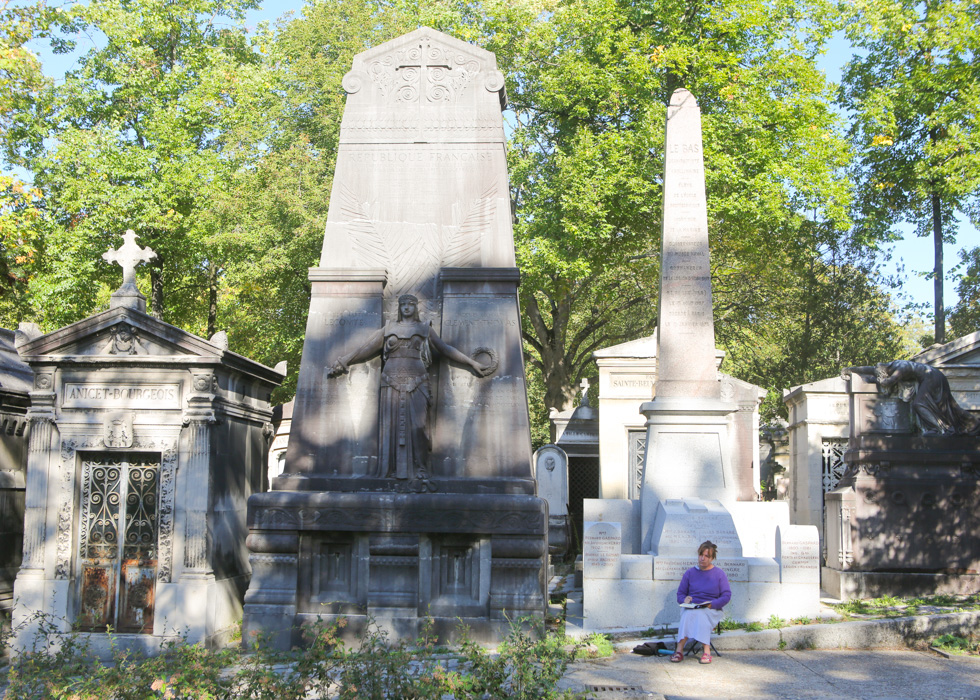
(866,372)
(448,351)
(368,350)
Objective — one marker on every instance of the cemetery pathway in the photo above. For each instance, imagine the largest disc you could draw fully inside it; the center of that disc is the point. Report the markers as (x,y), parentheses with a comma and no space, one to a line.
(815,674)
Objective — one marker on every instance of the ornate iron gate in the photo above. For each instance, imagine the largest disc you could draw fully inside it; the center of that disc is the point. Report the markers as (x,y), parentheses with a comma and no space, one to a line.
(117,552)
(832,460)
(637,455)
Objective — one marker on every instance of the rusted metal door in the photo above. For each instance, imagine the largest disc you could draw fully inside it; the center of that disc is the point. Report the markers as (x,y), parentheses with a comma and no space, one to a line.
(117,552)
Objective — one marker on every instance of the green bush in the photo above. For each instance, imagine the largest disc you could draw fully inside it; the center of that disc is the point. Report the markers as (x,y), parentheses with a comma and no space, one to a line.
(953,644)
(526,665)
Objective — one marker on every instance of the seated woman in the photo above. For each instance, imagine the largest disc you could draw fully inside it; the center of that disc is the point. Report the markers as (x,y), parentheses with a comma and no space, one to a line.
(704,584)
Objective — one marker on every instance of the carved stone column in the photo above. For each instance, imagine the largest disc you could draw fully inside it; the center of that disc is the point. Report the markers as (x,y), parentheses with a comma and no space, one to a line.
(30,586)
(194,469)
(36,493)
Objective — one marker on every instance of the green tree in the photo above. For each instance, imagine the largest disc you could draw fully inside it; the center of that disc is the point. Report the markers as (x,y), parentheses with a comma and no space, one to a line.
(914,92)
(137,136)
(21,217)
(588,84)
(833,316)
(270,244)
(965,316)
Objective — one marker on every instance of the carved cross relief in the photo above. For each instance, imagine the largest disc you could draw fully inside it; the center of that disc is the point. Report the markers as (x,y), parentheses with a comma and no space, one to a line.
(423,73)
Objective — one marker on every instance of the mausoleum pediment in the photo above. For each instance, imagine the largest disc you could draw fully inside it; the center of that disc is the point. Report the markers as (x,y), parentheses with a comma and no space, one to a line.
(962,351)
(118,333)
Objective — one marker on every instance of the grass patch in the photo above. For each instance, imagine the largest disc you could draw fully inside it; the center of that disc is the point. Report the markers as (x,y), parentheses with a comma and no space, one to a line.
(952,644)
(775,622)
(596,646)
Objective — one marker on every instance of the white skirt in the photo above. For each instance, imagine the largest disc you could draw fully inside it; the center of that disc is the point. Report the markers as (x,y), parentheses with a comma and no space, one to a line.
(698,623)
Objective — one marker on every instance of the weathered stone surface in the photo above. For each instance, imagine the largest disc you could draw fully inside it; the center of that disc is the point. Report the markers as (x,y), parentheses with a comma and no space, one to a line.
(177,429)
(16,380)
(407,477)
(686,332)
(907,504)
(420,206)
(551,470)
(602,550)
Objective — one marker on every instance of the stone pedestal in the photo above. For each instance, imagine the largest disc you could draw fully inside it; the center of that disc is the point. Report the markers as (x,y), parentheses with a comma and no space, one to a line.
(395,558)
(627,379)
(903,520)
(688,453)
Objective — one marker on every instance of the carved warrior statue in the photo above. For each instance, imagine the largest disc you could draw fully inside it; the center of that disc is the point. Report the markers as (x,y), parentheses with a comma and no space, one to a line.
(927,389)
(406,345)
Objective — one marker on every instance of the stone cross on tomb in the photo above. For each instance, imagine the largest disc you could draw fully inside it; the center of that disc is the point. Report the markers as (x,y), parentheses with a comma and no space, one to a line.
(128,256)
(585,391)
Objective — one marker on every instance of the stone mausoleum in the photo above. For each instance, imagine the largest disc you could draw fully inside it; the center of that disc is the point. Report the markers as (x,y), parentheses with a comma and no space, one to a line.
(824,416)
(145,443)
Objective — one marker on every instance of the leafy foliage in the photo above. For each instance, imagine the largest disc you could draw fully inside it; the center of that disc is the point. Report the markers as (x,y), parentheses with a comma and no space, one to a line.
(965,317)
(914,91)
(527,665)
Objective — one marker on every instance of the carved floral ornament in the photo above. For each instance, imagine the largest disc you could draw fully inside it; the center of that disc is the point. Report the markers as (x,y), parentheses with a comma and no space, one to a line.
(423,72)
(205,382)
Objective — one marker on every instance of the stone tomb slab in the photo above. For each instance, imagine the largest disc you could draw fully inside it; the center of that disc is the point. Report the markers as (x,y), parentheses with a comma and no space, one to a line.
(683,524)
(602,550)
(673,568)
(798,553)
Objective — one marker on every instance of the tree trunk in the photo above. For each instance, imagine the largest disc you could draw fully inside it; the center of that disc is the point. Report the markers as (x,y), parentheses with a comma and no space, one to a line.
(212,300)
(156,289)
(937,270)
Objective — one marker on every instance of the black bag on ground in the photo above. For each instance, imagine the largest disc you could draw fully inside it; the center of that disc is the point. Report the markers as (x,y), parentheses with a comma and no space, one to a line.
(649,648)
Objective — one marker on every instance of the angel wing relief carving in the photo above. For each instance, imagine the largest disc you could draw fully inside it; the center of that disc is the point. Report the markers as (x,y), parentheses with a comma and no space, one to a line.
(413,253)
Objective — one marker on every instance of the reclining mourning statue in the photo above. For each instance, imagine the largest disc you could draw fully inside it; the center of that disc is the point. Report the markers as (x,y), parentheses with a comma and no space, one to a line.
(928,391)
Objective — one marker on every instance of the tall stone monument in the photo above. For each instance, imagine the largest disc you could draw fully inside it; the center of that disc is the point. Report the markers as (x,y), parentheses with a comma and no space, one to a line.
(687,435)
(407,489)
(687,493)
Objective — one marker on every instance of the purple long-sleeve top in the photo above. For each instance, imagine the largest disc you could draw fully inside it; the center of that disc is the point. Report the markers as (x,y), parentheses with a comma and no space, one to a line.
(705,586)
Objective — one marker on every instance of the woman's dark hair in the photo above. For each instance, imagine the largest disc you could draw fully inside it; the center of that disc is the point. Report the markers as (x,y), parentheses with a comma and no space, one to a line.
(710,546)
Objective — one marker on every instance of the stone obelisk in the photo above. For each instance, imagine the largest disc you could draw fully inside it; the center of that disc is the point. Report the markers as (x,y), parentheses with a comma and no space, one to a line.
(688,452)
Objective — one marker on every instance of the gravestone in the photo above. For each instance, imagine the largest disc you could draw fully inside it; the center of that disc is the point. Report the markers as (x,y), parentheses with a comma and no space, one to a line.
(551,471)
(903,518)
(16,380)
(602,549)
(688,494)
(407,489)
(145,442)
